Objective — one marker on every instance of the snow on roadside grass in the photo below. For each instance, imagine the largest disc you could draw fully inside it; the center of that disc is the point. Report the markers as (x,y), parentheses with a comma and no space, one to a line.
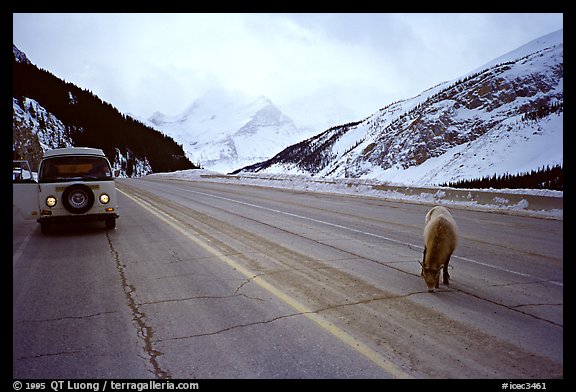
(529,202)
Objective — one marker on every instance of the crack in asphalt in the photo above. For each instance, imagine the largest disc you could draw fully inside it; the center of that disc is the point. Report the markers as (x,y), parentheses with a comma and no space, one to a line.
(509,307)
(521,305)
(235,294)
(67,318)
(230,328)
(162,301)
(143,330)
(318,311)
(50,354)
(245,283)
(175,256)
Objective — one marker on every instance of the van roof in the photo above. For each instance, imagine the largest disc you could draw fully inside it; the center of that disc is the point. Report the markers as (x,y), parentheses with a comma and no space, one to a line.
(74,151)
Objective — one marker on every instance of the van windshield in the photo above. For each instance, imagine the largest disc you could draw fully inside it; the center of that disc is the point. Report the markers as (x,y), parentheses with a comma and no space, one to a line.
(67,168)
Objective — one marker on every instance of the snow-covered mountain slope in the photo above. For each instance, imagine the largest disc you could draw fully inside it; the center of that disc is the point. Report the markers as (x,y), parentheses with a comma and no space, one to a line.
(46,127)
(225,130)
(506,116)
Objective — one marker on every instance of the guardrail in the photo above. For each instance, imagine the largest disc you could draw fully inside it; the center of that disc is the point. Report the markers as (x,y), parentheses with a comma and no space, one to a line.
(511,200)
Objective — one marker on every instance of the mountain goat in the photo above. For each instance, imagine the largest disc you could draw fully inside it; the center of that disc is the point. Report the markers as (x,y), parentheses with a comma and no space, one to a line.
(440,240)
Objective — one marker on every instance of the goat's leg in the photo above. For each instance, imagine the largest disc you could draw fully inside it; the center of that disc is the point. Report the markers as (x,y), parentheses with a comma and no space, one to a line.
(445,274)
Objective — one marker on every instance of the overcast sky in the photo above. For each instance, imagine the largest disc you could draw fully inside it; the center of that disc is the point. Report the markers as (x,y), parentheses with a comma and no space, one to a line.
(142,63)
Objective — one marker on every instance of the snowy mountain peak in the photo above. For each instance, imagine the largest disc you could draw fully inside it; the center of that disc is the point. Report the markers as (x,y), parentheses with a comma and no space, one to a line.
(157,117)
(223,130)
(547,41)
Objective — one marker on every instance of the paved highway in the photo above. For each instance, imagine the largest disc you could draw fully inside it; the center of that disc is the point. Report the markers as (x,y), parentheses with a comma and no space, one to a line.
(208,280)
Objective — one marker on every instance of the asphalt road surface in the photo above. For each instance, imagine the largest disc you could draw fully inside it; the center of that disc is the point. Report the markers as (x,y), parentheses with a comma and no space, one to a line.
(207,280)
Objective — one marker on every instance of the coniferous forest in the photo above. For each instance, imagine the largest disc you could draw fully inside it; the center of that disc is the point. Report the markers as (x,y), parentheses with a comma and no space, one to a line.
(543,178)
(92,122)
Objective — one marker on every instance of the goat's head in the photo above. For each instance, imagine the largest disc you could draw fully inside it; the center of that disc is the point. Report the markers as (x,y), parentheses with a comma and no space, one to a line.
(431,276)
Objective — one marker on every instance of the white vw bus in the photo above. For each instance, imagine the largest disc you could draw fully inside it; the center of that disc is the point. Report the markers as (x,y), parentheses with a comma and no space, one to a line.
(73,184)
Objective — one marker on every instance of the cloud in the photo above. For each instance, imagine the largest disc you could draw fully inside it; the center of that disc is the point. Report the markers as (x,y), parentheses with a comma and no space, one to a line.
(141,63)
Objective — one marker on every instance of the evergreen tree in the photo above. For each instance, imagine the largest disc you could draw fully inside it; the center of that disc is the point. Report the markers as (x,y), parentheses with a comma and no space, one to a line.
(543,178)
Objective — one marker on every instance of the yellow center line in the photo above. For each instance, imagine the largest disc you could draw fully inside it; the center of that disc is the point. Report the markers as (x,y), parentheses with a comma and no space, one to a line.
(343,336)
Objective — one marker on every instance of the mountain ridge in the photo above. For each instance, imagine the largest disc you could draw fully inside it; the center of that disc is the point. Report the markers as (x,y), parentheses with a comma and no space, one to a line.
(49,112)
(407,140)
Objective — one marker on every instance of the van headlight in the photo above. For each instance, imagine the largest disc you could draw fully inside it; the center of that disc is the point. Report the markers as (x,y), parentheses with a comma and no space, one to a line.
(51,201)
(104,198)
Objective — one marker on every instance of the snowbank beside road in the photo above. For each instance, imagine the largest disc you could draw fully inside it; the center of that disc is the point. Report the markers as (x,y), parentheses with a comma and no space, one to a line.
(530,202)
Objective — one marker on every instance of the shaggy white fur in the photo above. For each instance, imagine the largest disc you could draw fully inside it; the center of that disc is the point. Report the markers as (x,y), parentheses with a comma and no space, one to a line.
(440,240)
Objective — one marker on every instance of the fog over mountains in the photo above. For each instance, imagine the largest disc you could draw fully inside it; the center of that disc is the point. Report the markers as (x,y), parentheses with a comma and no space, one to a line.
(224,130)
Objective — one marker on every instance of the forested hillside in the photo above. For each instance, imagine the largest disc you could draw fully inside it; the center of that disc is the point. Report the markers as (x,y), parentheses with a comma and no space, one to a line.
(91,122)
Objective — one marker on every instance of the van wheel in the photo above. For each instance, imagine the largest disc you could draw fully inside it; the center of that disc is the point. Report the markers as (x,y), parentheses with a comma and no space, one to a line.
(78,198)
(45,227)
(110,223)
